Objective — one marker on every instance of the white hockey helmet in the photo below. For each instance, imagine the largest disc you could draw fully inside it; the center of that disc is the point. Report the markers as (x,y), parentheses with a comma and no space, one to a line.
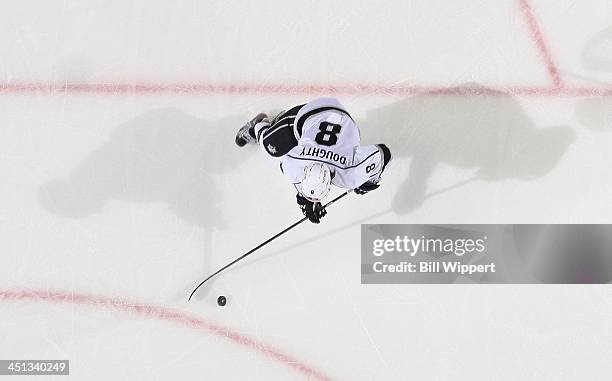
(317,181)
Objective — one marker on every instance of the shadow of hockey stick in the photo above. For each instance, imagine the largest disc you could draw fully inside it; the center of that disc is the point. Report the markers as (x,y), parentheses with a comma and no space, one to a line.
(352,224)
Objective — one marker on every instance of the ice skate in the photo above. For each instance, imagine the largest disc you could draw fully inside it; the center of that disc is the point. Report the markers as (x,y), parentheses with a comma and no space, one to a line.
(246,133)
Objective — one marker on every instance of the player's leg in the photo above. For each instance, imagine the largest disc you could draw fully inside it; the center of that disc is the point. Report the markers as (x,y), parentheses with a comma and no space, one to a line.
(278,139)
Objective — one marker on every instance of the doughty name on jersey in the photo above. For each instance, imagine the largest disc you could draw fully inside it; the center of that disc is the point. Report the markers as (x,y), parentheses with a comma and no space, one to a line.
(324,154)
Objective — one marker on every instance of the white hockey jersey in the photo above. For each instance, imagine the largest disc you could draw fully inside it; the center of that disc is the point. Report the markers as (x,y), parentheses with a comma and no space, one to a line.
(327,133)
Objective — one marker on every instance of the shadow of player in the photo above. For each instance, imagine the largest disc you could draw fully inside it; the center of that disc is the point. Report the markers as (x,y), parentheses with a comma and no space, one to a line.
(491,134)
(595,113)
(164,156)
(597,53)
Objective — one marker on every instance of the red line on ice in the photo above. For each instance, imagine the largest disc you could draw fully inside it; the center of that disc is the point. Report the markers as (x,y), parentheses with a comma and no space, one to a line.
(214,88)
(211,88)
(183,318)
(536,34)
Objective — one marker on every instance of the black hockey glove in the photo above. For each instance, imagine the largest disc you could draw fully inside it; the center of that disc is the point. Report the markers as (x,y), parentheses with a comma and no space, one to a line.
(313,210)
(366,187)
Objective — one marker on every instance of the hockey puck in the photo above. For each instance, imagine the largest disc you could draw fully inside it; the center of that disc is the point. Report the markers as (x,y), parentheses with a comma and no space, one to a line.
(221,300)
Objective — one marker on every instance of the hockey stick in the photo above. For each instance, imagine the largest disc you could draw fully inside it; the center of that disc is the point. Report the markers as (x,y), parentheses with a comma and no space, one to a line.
(261,245)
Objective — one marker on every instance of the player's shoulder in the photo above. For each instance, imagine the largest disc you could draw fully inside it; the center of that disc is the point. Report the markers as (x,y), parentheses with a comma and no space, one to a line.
(324,101)
(316,108)
(320,105)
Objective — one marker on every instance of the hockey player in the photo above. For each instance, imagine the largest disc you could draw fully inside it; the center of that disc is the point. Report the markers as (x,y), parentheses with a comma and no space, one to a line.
(318,144)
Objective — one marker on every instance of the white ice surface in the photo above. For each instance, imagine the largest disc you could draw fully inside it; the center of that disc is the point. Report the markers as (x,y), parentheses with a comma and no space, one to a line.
(138,196)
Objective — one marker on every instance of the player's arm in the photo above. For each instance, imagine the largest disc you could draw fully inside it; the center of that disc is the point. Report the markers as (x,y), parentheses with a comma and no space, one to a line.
(374,168)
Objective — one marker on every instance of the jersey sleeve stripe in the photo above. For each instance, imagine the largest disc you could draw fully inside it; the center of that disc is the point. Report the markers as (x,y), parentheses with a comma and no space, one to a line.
(280,120)
(276,127)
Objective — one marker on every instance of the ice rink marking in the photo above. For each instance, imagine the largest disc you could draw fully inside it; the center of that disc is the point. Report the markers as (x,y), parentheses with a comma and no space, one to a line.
(212,88)
(165,314)
(538,38)
(215,88)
